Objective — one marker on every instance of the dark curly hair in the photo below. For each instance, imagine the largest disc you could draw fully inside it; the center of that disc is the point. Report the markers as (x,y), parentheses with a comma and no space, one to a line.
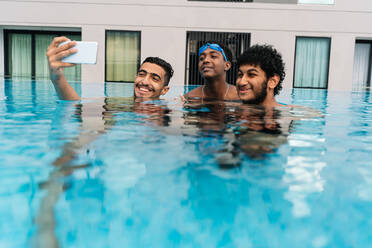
(268,58)
(227,51)
(163,64)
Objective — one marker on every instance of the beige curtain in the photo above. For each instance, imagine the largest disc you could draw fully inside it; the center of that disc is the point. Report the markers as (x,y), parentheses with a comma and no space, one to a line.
(42,41)
(311,62)
(122,55)
(20,60)
(361,66)
(20,55)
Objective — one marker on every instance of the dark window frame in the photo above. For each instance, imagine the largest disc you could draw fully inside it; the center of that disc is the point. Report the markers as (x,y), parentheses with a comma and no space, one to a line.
(236,1)
(368,83)
(139,56)
(8,32)
(252,1)
(329,61)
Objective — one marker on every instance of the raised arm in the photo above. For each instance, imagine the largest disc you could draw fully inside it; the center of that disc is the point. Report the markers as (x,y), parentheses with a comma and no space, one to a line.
(55,54)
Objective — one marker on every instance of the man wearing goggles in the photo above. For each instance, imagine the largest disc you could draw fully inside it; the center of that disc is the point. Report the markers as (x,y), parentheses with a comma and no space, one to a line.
(214,62)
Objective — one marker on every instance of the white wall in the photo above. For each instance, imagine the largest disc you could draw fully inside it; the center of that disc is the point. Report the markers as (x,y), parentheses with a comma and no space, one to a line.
(341,62)
(196,15)
(164,23)
(94,73)
(284,42)
(355,5)
(172,48)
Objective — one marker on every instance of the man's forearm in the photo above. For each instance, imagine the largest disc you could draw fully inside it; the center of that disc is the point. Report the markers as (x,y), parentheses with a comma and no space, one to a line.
(64,90)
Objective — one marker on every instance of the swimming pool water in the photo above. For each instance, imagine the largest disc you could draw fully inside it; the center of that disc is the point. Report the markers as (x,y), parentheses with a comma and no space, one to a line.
(110,172)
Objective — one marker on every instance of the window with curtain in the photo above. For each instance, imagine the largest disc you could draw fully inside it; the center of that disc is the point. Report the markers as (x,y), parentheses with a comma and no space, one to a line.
(122,55)
(312,62)
(26,54)
(42,41)
(362,65)
(317,1)
(274,1)
(20,55)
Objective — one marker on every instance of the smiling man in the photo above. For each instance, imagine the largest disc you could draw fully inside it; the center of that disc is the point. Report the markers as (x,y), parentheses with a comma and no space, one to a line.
(214,62)
(260,75)
(151,80)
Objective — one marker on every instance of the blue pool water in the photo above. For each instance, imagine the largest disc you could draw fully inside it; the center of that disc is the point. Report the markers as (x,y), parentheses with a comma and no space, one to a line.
(113,173)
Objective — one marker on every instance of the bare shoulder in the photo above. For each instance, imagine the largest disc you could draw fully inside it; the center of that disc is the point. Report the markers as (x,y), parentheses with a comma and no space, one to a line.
(197,92)
(233,93)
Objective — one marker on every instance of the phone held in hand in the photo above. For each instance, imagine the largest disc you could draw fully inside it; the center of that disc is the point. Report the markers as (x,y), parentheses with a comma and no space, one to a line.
(86,54)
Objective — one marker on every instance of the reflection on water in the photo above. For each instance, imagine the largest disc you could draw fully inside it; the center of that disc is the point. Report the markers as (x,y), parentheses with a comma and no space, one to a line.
(303,175)
(118,172)
(243,129)
(246,129)
(360,130)
(226,131)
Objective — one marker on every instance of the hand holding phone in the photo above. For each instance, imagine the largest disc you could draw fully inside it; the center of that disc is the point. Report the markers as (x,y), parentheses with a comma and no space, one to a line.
(86,54)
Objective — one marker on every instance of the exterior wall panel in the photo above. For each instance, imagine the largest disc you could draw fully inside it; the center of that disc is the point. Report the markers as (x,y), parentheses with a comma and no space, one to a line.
(285,43)
(94,73)
(341,62)
(164,23)
(268,17)
(169,44)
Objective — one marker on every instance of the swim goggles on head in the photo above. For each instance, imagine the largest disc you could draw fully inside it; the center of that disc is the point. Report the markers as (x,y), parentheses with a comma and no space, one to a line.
(215,47)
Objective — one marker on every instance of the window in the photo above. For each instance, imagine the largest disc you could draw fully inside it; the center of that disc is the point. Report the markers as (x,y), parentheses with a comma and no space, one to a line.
(25,54)
(317,1)
(362,65)
(223,0)
(274,1)
(312,62)
(236,42)
(122,55)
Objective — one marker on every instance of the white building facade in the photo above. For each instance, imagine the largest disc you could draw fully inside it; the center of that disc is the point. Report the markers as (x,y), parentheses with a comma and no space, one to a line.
(337,36)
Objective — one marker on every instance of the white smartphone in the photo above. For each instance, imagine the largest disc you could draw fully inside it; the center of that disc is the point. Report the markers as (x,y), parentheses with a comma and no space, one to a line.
(86,54)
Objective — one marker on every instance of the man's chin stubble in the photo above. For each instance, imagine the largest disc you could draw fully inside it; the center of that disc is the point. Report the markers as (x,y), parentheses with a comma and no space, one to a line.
(256,101)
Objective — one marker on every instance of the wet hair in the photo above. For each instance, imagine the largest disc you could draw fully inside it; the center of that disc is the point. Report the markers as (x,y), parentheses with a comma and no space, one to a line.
(163,64)
(227,51)
(268,58)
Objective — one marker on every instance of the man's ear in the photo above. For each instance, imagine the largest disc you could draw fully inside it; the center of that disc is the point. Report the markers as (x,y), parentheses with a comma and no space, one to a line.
(164,90)
(227,65)
(273,82)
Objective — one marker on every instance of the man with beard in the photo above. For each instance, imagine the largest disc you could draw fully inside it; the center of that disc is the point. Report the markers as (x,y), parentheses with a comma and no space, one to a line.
(150,83)
(260,75)
(214,62)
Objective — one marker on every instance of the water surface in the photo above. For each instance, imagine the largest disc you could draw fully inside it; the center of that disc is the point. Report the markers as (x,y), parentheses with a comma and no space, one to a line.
(112,172)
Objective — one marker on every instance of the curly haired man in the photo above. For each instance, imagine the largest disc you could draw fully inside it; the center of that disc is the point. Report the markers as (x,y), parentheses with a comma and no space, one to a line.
(260,75)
